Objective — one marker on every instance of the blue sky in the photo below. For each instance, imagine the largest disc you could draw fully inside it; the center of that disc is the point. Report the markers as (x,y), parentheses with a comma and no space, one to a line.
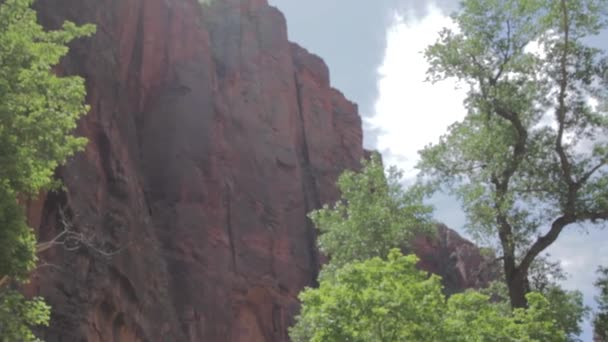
(373,52)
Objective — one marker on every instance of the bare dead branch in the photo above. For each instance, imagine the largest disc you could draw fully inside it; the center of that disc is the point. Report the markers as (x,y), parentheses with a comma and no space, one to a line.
(72,240)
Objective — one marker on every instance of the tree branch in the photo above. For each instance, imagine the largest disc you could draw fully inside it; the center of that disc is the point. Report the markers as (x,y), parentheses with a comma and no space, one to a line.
(584,178)
(505,231)
(593,215)
(561,109)
(505,56)
(542,242)
(72,240)
(532,190)
(519,148)
(43,246)
(556,228)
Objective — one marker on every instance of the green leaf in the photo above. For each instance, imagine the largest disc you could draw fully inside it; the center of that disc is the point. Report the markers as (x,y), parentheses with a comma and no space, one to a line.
(39,111)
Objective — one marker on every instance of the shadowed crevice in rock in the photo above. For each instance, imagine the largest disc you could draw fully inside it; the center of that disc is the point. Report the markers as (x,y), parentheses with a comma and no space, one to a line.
(229,230)
(309,188)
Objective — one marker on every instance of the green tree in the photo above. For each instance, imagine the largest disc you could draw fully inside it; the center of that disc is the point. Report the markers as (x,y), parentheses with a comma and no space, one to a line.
(567,306)
(529,159)
(600,322)
(374,215)
(38,112)
(391,300)
(567,310)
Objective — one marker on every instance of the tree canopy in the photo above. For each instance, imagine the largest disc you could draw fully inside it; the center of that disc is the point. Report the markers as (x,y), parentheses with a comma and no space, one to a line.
(38,113)
(391,300)
(369,296)
(374,215)
(529,159)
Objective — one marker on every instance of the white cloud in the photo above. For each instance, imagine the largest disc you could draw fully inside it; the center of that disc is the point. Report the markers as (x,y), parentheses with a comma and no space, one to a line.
(410,112)
(580,252)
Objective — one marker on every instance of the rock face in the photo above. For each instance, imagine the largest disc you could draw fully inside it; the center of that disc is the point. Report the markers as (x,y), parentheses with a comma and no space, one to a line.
(458,261)
(210,138)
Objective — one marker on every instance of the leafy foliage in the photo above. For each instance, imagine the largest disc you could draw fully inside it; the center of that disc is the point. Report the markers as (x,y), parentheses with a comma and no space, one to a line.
(524,173)
(17,315)
(38,109)
(390,300)
(17,255)
(374,215)
(600,322)
(566,307)
(567,310)
(38,112)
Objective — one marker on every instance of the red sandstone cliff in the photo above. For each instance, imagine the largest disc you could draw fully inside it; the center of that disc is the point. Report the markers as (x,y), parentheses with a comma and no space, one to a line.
(211,137)
(460,263)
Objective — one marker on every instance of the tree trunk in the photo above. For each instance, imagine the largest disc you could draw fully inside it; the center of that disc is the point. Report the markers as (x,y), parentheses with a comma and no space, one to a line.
(517,282)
